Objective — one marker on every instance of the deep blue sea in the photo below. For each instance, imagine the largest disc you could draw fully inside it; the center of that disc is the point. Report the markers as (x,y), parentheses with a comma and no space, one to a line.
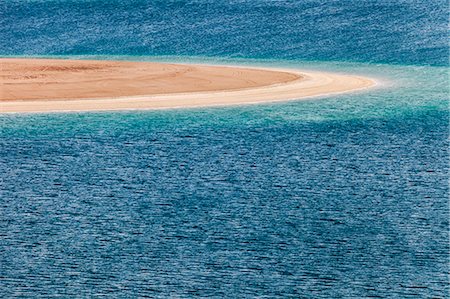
(335,197)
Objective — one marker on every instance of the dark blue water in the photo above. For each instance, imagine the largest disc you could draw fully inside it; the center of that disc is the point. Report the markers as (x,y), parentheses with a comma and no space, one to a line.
(151,204)
(339,197)
(401,32)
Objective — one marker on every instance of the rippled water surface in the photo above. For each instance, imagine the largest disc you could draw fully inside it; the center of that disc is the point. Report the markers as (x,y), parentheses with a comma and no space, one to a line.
(338,197)
(400,31)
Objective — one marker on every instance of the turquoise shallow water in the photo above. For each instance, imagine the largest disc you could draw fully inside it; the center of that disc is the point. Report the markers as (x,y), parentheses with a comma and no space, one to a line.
(335,197)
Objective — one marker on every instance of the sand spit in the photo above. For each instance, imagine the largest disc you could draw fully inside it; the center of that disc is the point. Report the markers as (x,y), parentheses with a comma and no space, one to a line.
(52,85)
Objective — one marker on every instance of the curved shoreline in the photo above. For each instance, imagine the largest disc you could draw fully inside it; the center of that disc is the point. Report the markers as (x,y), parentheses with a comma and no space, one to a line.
(164,86)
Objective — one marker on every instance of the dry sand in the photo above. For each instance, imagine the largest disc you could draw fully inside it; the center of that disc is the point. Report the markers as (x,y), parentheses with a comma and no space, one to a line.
(50,85)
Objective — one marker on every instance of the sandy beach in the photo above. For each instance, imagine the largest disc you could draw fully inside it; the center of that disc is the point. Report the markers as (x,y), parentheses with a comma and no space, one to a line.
(52,85)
